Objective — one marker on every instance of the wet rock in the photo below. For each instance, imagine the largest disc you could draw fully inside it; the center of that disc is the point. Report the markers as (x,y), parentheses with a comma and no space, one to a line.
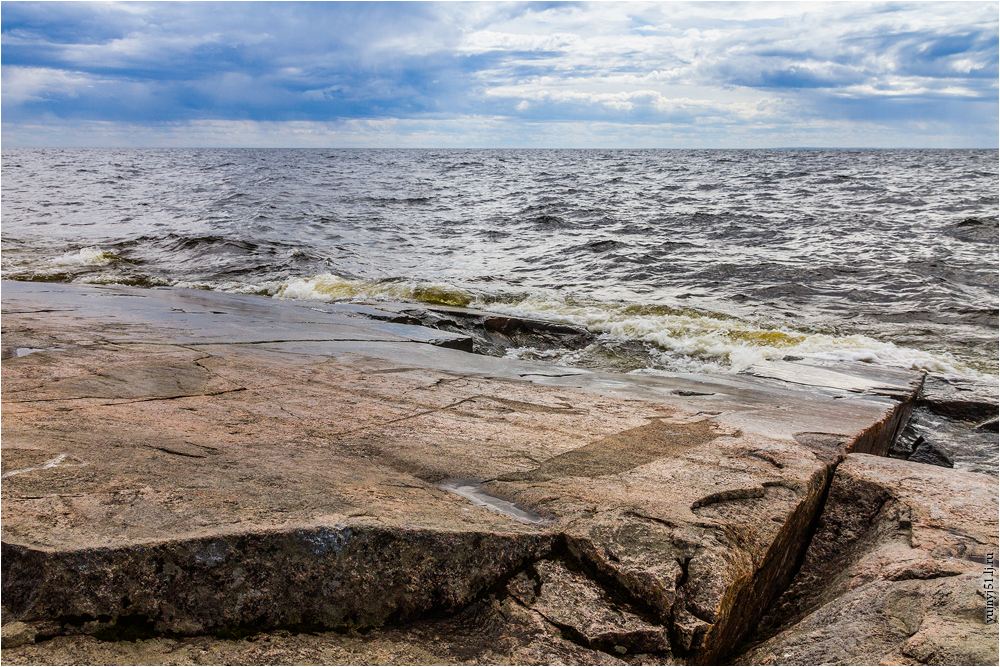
(492,334)
(526,331)
(836,376)
(959,399)
(936,440)
(926,452)
(953,425)
(505,335)
(907,441)
(990,425)
(893,574)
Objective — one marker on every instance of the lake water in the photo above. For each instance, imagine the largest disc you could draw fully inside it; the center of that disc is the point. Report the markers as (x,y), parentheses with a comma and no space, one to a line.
(692,261)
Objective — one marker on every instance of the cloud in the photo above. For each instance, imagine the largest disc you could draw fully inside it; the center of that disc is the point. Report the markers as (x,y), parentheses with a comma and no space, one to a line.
(706,65)
(41,84)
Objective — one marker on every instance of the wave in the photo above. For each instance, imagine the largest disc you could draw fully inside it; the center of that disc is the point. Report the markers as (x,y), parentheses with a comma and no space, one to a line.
(90,256)
(670,338)
(327,286)
(128,279)
(677,339)
(696,341)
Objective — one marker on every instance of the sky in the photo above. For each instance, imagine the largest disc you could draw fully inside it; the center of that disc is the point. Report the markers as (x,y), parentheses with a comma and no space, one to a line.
(487,74)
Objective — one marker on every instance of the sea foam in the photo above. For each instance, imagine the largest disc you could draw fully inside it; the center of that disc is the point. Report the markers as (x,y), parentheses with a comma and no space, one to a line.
(90,256)
(682,339)
(692,341)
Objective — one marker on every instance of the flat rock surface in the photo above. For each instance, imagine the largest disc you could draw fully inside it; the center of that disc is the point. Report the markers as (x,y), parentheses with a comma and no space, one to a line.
(896,574)
(191,462)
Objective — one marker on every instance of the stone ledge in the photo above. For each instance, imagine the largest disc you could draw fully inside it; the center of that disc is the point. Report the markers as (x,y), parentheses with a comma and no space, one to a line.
(170,455)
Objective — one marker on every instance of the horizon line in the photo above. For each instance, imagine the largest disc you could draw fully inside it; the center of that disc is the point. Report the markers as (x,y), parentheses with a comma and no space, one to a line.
(529,148)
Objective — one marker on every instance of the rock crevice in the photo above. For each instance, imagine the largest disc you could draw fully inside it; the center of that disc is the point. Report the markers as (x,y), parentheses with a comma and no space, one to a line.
(893,573)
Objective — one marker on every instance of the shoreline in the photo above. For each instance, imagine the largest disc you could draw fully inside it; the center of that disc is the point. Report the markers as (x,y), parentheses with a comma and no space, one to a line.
(227,458)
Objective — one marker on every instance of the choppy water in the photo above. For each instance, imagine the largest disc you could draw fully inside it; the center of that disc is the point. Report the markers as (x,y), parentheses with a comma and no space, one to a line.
(708,260)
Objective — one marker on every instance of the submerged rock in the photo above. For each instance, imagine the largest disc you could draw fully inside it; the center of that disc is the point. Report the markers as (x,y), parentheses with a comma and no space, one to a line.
(491,334)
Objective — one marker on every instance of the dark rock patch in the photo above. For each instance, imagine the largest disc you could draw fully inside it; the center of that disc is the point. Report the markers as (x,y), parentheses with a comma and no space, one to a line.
(959,398)
(492,335)
(953,425)
(931,455)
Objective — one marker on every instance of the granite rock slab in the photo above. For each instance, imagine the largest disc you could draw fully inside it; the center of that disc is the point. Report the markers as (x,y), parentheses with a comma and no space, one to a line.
(180,463)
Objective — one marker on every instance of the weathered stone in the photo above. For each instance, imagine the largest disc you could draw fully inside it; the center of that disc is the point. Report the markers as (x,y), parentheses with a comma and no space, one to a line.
(17,634)
(575,603)
(485,633)
(349,575)
(190,462)
(894,573)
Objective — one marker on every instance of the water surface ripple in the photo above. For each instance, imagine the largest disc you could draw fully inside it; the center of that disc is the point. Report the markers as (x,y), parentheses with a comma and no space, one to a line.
(711,259)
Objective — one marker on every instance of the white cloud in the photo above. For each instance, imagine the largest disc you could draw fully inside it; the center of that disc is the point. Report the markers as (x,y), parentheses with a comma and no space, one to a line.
(486,40)
(24,84)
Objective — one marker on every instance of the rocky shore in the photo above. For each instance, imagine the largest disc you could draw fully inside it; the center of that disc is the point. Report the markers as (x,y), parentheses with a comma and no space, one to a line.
(198,477)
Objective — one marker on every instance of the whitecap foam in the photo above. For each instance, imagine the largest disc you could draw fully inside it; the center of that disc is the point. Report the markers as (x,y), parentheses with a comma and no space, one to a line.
(90,256)
(328,287)
(130,280)
(682,339)
(700,342)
